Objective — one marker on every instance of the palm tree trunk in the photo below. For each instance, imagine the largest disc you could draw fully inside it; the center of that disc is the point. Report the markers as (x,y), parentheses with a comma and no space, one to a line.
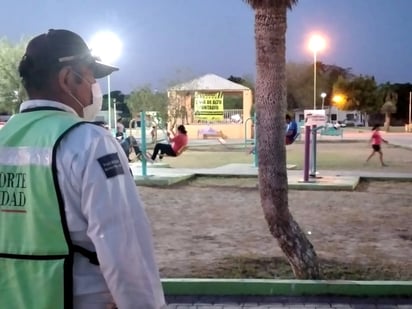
(387,122)
(270,29)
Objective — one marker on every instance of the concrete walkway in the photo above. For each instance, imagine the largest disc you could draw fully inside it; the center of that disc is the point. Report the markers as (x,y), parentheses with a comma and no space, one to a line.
(331,180)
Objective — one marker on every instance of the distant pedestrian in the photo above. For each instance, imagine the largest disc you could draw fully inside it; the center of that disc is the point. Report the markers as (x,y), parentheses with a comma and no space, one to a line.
(376,141)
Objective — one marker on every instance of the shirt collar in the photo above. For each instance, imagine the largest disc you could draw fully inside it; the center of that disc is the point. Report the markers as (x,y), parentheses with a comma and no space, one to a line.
(46,103)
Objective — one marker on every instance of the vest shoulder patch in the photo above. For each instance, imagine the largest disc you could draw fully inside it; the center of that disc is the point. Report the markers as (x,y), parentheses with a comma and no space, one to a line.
(111,165)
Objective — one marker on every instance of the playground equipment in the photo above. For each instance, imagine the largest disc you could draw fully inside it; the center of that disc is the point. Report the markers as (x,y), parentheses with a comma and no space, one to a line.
(143,142)
(154,129)
(145,157)
(158,130)
(254,140)
(315,120)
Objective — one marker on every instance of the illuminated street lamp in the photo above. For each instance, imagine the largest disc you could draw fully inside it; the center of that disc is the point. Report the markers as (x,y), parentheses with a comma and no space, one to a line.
(323,96)
(338,99)
(107,46)
(316,43)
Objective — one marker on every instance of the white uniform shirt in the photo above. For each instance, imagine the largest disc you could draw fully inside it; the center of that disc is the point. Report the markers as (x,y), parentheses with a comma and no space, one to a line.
(105,215)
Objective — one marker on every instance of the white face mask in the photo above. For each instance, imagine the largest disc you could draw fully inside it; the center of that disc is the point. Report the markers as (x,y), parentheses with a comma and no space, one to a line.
(90,111)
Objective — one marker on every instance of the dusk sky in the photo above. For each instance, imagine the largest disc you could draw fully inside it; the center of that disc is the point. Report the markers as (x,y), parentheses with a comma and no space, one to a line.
(172,40)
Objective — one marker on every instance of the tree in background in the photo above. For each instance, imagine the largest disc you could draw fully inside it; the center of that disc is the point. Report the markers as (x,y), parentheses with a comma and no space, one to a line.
(402,107)
(300,83)
(12,92)
(389,98)
(176,110)
(144,99)
(357,93)
(270,104)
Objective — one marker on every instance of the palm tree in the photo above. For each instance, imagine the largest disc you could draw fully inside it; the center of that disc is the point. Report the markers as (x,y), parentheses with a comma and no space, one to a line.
(270,100)
(389,107)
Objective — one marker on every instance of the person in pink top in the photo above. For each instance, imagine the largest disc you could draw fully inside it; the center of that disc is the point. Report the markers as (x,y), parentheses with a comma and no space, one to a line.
(176,144)
(376,141)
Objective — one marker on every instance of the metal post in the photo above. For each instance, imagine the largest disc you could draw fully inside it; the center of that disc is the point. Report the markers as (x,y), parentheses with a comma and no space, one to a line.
(307,154)
(314,79)
(143,142)
(410,103)
(115,114)
(109,108)
(313,153)
(246,121)
(255,155)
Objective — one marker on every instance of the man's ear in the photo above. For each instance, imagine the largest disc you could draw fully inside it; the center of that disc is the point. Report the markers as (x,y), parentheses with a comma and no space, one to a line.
(65,79)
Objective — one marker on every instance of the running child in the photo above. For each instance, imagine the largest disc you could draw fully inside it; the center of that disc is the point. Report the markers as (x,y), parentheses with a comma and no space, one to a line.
(376,141)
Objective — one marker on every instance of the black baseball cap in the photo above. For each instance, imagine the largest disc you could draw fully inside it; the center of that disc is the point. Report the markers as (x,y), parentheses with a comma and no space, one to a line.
(60,47)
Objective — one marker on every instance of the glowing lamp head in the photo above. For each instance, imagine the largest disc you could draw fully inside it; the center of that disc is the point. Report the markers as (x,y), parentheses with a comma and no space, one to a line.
(107,46)
(317,43)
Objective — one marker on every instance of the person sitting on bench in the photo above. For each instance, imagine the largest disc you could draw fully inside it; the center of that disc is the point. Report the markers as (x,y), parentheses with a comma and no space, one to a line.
(128,142)
(178,142)
(291,130)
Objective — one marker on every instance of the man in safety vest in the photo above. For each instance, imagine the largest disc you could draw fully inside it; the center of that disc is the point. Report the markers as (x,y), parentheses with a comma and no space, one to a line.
(73,232)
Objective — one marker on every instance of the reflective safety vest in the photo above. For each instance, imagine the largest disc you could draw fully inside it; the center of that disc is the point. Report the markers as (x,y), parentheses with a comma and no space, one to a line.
(36,253)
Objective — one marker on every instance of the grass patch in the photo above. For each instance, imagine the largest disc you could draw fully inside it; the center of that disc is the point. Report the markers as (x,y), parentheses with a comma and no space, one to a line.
(247,267)
(225,182)
(330,156)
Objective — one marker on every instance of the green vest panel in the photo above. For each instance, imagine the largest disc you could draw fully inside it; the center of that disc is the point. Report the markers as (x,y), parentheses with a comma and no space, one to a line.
(35,248)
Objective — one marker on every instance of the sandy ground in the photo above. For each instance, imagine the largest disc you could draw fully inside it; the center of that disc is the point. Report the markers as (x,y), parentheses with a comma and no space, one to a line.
(197,225)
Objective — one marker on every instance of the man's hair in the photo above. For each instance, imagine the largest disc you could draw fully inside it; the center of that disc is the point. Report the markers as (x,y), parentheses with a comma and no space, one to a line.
(35,78)
(287,117)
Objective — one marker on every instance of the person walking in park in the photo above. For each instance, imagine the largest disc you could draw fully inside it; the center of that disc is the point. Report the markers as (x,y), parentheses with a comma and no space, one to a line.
(178,143)
(376,141)
(73,231)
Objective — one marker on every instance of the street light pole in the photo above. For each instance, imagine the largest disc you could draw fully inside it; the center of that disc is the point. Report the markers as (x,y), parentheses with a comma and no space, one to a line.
(410,103)
(316,44)
(109,101)
(323,96)
(314,78)
(107,46)
(410,107)
(115,114)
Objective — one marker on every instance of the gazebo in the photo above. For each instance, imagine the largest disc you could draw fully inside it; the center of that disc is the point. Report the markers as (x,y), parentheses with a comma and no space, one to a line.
(212,83)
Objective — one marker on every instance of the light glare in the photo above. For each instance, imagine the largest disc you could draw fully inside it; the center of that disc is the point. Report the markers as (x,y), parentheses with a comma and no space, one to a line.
(317,43)
(107,46)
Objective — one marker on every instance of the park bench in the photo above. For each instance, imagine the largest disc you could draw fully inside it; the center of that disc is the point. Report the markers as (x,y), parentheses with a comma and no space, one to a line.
(216,134)
(331,131)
